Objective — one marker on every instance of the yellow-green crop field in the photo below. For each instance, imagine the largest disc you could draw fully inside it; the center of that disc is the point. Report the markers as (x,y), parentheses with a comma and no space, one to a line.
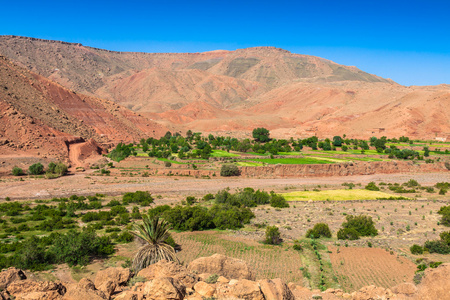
(336,195)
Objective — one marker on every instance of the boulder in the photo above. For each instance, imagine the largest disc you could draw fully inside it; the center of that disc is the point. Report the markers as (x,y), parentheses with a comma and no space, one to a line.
(242,289)
(204,289)
(84,290)
(372,292)
(10,275)
(406,288)
(162,288)
(129,295)
(119,276)
(165,268)
(222,265)
(36,290)
(275,289)
(108,288)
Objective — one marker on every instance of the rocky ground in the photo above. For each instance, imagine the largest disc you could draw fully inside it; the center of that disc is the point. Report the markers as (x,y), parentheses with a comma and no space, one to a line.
(214,277)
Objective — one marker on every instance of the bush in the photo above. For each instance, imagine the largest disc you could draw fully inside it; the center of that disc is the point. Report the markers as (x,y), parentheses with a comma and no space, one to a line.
(36,169)
(277,201)
(416,249)
(125,237)
(347,234)
(371,186)
(273,235)
(229,170)
(319,230)
(442,191)
(167,164)
(142,198)
(439,246)
(16,171)
(362,225)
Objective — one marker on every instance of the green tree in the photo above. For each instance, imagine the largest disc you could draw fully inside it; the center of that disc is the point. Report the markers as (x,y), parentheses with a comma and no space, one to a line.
(261,135)
(154,232)
(337,141)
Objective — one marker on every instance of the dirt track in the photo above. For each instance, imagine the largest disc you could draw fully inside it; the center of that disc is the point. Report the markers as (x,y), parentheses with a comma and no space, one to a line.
(87,184)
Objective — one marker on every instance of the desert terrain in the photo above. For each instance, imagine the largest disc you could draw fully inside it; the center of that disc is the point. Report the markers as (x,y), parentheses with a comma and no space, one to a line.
(167,126)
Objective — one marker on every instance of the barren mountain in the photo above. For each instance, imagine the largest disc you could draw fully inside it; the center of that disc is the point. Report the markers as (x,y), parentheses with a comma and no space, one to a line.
(217,91)
(37,113)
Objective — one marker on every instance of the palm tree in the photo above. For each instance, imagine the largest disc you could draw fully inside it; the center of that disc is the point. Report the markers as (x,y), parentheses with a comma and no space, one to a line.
(154,232)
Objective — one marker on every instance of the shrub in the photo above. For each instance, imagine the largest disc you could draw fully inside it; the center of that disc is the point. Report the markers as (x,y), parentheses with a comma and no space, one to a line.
(357,226)
(347,234)
(416,249)
(442,191)
(16,171)
(36,169)
(167,164)
(273,235)
(142,198)
(371,186)
(438,246)
(277,201)
(319,230)
(125,237)
(229,170)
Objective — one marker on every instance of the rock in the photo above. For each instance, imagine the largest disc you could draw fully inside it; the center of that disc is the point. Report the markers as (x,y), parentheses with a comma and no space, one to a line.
(50,295)
(406,288)
(30,286)
(119,276)
(129,295)
(222,279)
(108,288)
(204,289)
(275,289)
(372,292)
(222,265)
(10,275)
(435,283)
(242,289)
(165,268)
(84,290)
(162,288)
(203,276)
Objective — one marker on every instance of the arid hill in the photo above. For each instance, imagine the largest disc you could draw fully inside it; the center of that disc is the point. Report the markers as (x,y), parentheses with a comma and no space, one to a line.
(235,91)
(36,113)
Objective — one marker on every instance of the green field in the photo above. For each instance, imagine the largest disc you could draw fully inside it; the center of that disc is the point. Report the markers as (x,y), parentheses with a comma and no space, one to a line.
(249,164)
(335,195)
(292,161)
(222,153)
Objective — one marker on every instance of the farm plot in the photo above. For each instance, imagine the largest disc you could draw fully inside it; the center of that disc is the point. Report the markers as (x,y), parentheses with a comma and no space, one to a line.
(336,195)
(268,261)
(358,267)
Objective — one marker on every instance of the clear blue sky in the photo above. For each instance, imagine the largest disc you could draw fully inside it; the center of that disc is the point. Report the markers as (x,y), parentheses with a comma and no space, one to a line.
(407,41)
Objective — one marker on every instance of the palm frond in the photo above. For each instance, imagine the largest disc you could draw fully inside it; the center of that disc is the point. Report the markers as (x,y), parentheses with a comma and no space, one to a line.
(153,231)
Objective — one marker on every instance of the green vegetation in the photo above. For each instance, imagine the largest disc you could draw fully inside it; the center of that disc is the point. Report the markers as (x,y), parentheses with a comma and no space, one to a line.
(16,171)
(319,230)
(121,152)
(228,170)
(357,226)
(154,232)
(273,235)
(261,135)
(36,169)
(371,186)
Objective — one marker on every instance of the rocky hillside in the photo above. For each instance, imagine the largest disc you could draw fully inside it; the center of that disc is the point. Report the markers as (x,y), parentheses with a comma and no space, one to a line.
(215,277)
(37,113)
(236,91)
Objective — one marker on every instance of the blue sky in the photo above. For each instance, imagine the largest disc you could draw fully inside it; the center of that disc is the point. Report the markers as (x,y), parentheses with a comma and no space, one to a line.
(407,41)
